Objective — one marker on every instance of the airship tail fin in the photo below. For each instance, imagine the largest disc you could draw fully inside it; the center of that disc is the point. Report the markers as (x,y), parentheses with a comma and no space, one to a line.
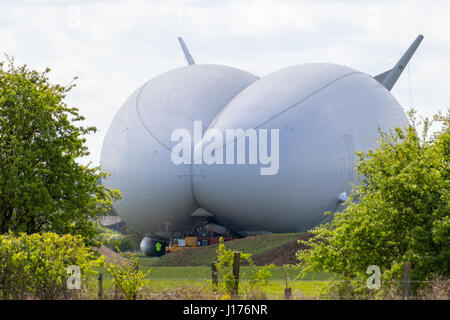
(390,77)
(187,54)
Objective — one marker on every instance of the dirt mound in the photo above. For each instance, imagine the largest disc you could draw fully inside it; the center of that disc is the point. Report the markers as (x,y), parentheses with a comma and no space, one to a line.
(110,255)
(284,254)
(278,249)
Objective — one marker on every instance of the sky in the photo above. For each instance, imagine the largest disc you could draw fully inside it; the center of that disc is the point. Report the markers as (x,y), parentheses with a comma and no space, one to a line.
(116,46)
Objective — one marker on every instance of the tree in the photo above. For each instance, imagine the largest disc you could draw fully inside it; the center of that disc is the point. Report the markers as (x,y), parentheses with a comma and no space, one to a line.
(398,213)
(42,186)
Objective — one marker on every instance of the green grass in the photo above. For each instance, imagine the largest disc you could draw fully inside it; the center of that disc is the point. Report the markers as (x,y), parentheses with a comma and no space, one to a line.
(300,289)
(204,273)
(146,262)
(260,244)
(191,273)
(199,276)
(274,290)
(173,278)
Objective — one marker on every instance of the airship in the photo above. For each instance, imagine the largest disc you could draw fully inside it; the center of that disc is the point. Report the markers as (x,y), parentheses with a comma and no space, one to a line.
(169,152)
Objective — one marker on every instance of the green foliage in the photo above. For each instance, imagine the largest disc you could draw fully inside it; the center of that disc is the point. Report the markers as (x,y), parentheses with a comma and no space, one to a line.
(42,186)
(127,276)
(122,243)
(132,238)
(225,258)
(115,240)
(285,272)
(257,279)
(36,265)
(399,213)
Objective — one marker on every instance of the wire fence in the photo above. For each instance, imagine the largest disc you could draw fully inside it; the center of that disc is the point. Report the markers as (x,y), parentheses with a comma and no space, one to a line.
(234,282)
(102,287)
(271,289)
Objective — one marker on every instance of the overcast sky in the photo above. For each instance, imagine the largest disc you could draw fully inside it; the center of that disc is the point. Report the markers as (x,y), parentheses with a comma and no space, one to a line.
(116,46)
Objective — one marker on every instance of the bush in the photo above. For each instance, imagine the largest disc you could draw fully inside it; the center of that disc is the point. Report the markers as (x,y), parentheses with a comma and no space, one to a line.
(398,214)
(127,276)
(258,277)
(36,265)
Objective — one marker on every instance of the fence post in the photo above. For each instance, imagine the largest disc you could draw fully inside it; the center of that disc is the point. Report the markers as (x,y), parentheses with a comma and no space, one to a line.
(136,267)
(214,274)
(236,266)
(100,285)
(116,292)
(406,281)
(287,293)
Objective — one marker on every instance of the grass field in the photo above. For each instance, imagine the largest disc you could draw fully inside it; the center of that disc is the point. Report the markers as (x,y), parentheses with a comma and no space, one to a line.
(196,281)
(204,272)
(186,274)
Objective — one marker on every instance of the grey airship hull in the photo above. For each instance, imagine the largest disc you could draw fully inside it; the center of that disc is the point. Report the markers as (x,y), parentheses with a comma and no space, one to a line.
(136,151)
(323,114)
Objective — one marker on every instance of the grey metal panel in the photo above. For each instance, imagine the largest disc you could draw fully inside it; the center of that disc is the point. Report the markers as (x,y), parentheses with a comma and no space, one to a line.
(388,79)
(186,52)
(201,212)
(382,76)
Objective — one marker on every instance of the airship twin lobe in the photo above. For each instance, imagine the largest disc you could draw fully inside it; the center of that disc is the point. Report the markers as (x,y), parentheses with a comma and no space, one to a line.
(290,135)
(238,146)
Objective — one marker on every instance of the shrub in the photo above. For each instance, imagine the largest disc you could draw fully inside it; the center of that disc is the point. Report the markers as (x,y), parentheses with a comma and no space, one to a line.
(398,214)
(127,276)
(257,279)
(36,265)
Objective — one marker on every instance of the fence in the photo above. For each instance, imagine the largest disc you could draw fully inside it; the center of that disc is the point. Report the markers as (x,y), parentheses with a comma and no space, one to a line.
(204,289)
(102,287)
(208,283)
(274,289)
